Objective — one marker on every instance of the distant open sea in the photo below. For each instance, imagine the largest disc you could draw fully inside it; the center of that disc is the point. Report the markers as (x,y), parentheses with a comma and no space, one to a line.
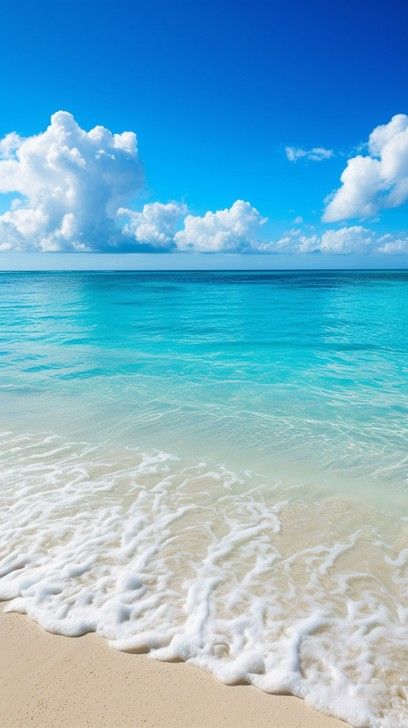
(212,467)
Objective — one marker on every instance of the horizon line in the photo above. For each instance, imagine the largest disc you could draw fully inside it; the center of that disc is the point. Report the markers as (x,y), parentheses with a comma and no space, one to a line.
(199,270)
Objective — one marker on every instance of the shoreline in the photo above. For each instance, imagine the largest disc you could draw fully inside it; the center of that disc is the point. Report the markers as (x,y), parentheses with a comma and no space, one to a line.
(52,681)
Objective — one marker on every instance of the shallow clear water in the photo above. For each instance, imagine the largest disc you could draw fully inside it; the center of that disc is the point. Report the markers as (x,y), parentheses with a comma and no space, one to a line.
(213,467)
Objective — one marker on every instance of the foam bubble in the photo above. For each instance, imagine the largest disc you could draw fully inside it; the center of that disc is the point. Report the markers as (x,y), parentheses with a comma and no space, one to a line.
(192,562)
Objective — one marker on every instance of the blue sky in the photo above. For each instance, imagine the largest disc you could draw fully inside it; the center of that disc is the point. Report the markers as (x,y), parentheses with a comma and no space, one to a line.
(215,93)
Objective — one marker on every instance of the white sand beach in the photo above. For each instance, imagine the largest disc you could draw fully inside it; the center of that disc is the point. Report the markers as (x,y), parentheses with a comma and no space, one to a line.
(49,681)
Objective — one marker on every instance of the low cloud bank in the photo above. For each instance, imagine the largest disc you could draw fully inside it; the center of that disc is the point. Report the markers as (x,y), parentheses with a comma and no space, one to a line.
(75,190)
(354,239)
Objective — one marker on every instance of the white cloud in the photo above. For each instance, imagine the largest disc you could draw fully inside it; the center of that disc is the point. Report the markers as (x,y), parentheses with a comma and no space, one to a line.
(316,154)
(156,224)
(377,180)
(70,184)
(390,245)
(9,144)
(231,230)
(354,239)
(169,226)
(73,190)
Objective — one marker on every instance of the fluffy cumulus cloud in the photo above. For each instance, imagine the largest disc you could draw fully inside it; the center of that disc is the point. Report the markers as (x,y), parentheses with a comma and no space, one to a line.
(69,185)
(234,229)
(73,189)
(377,180)
(341,241)
(393,244)
(168,226)
(354,239)
(156,224)
(315,154)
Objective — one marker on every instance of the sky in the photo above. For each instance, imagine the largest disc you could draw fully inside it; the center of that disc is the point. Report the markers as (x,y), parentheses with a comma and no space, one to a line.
(250,134)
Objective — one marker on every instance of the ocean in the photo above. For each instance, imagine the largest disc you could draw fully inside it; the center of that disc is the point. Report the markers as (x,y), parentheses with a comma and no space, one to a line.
(212,467)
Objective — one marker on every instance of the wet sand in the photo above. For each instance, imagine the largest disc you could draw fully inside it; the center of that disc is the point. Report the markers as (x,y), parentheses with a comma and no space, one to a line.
(49,681)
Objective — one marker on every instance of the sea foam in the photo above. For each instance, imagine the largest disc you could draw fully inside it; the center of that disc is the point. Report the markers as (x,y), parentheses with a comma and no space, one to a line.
(189,561)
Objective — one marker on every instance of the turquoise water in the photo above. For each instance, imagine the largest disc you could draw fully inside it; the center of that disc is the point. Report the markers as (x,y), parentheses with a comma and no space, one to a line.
(290,385)
(246,367)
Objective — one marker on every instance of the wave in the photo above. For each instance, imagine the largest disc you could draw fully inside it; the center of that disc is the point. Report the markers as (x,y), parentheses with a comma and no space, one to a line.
(251,580)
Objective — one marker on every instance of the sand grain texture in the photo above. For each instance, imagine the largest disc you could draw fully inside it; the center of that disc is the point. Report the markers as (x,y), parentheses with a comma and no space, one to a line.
(48,681)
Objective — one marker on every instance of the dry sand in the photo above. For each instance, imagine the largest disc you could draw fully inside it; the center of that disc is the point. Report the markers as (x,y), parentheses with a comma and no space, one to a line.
(47,680)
